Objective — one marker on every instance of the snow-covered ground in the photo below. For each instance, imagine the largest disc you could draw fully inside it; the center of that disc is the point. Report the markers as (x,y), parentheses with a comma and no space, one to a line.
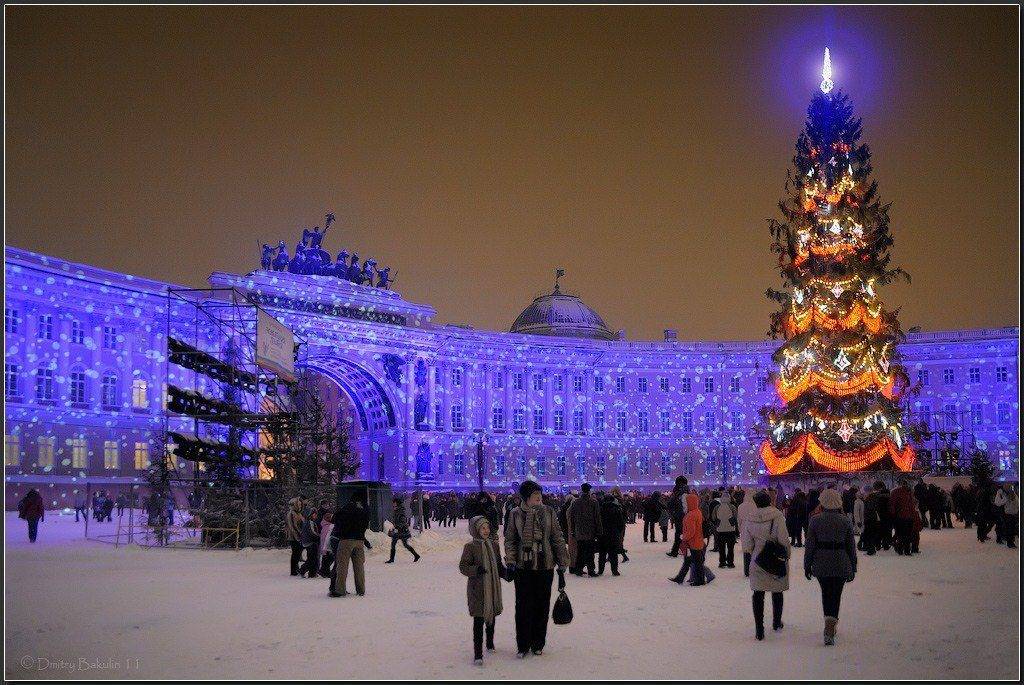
(81,609)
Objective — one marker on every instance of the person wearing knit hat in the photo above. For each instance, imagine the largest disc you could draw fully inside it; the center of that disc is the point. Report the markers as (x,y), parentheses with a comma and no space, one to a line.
(830,556)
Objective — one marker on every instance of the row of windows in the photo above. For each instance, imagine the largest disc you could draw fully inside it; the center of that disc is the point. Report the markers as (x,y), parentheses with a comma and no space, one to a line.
(538,420)
(78,387)
(46,447)
(973,375)
(45,329)
(457,377)
(560,463)
(951,417)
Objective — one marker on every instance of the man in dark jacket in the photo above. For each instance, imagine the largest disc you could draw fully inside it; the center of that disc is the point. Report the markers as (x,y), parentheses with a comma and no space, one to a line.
(349,538)
(901,509)
(652,514)
(31,509)
(613,527)
(585,522)
(677,510)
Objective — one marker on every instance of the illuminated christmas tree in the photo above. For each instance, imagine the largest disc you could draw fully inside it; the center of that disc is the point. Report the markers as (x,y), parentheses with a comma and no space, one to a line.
(839,373)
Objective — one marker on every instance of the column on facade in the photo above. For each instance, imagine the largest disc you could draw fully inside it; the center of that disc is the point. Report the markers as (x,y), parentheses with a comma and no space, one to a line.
(432,395)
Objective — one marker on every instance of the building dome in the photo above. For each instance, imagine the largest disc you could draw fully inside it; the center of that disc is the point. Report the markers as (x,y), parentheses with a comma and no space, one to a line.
(562,315)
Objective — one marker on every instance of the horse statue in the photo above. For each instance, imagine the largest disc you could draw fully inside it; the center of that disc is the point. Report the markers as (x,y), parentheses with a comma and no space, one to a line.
(281,260)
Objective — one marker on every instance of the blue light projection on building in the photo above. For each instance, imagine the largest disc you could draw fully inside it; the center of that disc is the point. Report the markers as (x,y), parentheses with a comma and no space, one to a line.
(559,398)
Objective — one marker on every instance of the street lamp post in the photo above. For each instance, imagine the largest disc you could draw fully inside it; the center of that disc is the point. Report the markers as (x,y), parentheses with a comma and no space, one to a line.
(480,462)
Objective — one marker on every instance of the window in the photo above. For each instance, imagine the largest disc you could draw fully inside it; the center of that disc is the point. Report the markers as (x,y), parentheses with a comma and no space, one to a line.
(974,375)
(77,386)
(687,421)
(644,464)
(111,458)
(709,421)
(108,392)
(45,328)
(688,464)
(1003,415)
(641,384)
(47,447)
(622,465)
(498,418)
(643,422)
(438,377)
(459,464)
(559,382)
(947,377)
(457,377)
(666,463)
(620,384)
(457,424)
(925,416)
(44,384)
(977,417)
(734,384)
(663,383)
(685,384)
(519,420)
(140,394)
(440,465)
(79,453)
(560,464)
(737,420)
(438,416)
(499,463)
(666,422)
(922,376)
(538,419)
(709,384)
(581,466)
(599,421)
(12,321)
(141,455)
(498,380)
(620,422)
(517,381)
(542,465)
(1001,375)
(559,419)
(578,421)
(12,450)
(521,465)
(77,332)
(598,383)
(762,384)
(538,382)
(109,338)
(577,383)
(12,376)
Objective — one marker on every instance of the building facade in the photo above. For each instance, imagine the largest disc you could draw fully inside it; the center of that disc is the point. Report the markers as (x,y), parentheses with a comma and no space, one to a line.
(559,398)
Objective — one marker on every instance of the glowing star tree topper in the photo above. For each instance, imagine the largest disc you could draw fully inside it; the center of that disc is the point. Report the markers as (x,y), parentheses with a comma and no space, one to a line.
(826,73)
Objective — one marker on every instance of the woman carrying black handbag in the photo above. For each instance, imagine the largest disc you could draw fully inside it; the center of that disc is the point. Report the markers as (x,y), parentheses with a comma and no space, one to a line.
(764,538)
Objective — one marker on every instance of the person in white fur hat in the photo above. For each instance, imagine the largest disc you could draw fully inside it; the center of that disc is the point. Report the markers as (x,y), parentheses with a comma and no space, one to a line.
(831,557)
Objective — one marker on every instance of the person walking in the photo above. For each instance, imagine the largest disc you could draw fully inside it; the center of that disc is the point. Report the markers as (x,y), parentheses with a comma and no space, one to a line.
(32,510)
(858,519)
(585,522)
(831,557)
(613,527)
(652,515)
(534,546)
(744,511)
(724,519)
(400,532)
(901,511)
(1006,501)
(326,551)
(764,524)
(663,517)
(692,544)
(676,512)
(348,539)
(481,564)
(292,531)
(81,506)
(309,538)
(796,518)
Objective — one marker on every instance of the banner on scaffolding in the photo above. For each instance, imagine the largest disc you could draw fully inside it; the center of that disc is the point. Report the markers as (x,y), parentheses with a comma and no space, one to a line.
(275,346)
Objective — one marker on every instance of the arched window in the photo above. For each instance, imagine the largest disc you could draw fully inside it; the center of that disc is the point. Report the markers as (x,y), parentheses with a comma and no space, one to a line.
(77,386)
(109,394)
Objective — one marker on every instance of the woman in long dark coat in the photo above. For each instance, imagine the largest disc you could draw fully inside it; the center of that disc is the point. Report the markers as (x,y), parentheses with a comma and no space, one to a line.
(831,557)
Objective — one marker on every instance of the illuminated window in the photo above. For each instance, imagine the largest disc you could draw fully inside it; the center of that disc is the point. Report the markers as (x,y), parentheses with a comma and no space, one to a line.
(440,464)
(140,394)
(974,375)
(622,465)
(141,455)
(542,465)
(76,386)
(12,450)
(108,391)
(12,321)
(925,415)
(762,384)
(459,463)
(12,378)
(498,418)
(170,456)
(44,384)
(1003,414)
(644,464)
(737,420)
(44,331)
(77,332)
(688,464)
(521,465)
(499,464)
(977,417)
(581,466)
(109,338)
(111,455)
(79,453)
(438,416)
(47,447)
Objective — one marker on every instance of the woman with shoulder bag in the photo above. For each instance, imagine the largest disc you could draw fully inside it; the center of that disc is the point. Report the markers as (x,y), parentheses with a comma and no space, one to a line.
(764,538)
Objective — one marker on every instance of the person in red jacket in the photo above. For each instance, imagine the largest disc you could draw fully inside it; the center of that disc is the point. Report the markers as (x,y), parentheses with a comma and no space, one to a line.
(902,510)
(692,539)
(31,509)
